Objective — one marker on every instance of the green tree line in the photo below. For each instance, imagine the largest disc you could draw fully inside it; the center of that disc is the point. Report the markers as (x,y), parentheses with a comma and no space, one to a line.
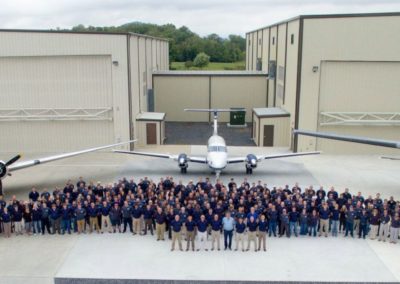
(184,44)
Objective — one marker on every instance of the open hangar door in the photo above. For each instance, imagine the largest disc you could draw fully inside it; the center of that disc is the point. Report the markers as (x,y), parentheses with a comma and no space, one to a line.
(361,99)
(55,103)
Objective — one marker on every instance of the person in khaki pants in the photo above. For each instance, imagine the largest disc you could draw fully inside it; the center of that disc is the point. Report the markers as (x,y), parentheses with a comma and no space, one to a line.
(160,219)
(262,232)
(384,228)
(80,214)
(374,222)
(216,226)
(176,225)
(190,232)
(240,229)
(6,219)
(136,214)
(252,233)
(324,214)
(93,220)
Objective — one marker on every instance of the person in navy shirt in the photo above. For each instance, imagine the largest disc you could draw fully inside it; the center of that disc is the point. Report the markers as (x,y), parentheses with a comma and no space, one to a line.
(335,215)
(136,214)
(105,217)
(293,219)
(394,229)
(216,226)
(350,215)
(92,212)
(363,230)
(384,227)
(273,221)
(240,229)
(6,219)
(65,219)
(190,233)
(160,219)
(252,233)
(55,219)
(148,219)
(176,226)
(202,226)
(262,232)
(313,223)
(324,214)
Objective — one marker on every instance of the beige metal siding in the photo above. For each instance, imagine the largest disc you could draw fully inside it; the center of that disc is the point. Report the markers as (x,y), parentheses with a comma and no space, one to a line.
(280,64)
(265,48)
(343,39)
(247,92)
(172,94)
(272,57)
(281,128)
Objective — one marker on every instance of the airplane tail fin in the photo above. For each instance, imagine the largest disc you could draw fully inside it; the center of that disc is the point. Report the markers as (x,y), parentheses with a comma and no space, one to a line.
(215,111)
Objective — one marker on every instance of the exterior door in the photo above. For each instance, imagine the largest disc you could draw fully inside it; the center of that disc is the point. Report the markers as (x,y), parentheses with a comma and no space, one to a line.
(268,135)
(151,132)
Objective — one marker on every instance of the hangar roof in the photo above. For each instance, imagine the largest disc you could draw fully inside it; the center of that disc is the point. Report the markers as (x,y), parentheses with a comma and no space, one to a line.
(209,73)
(77,32)
(150,116)
(270,112)
(322,16)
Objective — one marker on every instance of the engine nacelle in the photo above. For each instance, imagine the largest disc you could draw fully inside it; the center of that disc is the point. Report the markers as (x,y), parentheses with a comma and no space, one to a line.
(251,161)
(183,161)
(3,170)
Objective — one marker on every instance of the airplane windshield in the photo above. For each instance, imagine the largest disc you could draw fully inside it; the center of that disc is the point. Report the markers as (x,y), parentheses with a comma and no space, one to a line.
(216,149)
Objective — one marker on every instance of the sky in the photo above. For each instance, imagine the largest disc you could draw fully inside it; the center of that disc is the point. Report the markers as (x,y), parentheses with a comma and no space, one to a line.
(204,17)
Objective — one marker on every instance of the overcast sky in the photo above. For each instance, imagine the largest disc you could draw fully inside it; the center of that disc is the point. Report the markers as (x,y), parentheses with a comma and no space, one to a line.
(223,17)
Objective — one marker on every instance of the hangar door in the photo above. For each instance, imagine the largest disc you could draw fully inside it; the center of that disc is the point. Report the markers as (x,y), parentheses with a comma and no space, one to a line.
(55,103)
(353,95)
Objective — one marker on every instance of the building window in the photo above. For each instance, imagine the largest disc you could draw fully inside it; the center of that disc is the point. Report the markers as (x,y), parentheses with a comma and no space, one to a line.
(259,41)
(292,39)
(259,64)
(249,42)
(273,40)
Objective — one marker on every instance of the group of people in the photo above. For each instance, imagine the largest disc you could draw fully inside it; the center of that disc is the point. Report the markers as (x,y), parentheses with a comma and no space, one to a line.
(201,212)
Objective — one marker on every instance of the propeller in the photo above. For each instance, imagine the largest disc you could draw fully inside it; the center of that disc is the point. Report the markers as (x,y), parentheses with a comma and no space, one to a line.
(13,160)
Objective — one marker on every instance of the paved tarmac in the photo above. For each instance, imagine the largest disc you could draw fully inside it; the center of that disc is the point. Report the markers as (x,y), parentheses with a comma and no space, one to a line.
(39,259)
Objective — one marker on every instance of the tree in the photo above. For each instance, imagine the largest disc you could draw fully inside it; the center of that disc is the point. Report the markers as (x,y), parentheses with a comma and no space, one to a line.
(201,60)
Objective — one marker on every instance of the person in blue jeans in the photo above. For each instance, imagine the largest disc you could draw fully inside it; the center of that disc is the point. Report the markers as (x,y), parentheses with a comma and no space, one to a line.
(313,223)
(36,219)
(350,216)
(228,224)
(273,221)
(363,230)
(335,214)
(65,219)
(303,222)
(293,219)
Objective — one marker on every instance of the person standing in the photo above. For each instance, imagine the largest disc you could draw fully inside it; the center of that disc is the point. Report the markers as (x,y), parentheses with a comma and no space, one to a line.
(176,226)
(293,219)
(127,216)
(115,217)
(374,221)
(384,228)
(65,219)
(202,225)
(17,219)
(148,219)
(228,224)
(92,212)
(27,215)
(350,216)
(80,214)
(313,223)
(335,215)
(36,219)
(303,222)
(324,214)
(105,217)
(262,232)
(6,219)
(394,229)
(45,215)
(273,221)
(252,233)
(55,219)
(216,226)
(239,235)
(190,225)
(363,227)
(284,228)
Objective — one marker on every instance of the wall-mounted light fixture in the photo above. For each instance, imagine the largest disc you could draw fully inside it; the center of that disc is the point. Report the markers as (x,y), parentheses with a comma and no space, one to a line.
(115,63)
(315,69)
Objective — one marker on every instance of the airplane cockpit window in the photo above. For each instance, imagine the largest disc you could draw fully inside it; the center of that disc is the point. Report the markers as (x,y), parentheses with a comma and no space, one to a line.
(217,149)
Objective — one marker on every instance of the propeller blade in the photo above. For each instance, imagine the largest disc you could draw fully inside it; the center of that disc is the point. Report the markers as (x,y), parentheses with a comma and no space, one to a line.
(13,160)
(1,187)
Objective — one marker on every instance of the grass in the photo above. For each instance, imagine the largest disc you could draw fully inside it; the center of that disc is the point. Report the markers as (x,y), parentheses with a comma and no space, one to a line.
(240,65)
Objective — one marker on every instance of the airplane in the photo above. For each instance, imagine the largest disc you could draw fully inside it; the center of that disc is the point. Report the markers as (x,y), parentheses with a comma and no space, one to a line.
(354,139)
(217,153)
(6,168)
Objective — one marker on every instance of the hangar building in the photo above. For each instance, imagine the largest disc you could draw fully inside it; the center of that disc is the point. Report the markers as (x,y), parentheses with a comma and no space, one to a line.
(332,73)
(61,91)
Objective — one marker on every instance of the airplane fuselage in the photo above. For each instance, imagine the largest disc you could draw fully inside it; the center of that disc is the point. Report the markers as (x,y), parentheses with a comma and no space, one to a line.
(217,154)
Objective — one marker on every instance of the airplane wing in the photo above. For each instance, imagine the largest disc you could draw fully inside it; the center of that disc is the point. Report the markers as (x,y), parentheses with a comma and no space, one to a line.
(354,139)
(274,156)
(31,163)
(201,160)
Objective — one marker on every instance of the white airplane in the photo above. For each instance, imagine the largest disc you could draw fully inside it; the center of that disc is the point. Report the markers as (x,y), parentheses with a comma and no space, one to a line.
(217,153)
(6,168)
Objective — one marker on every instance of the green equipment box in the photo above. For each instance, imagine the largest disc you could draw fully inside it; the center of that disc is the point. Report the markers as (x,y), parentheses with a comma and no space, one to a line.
(237,116)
